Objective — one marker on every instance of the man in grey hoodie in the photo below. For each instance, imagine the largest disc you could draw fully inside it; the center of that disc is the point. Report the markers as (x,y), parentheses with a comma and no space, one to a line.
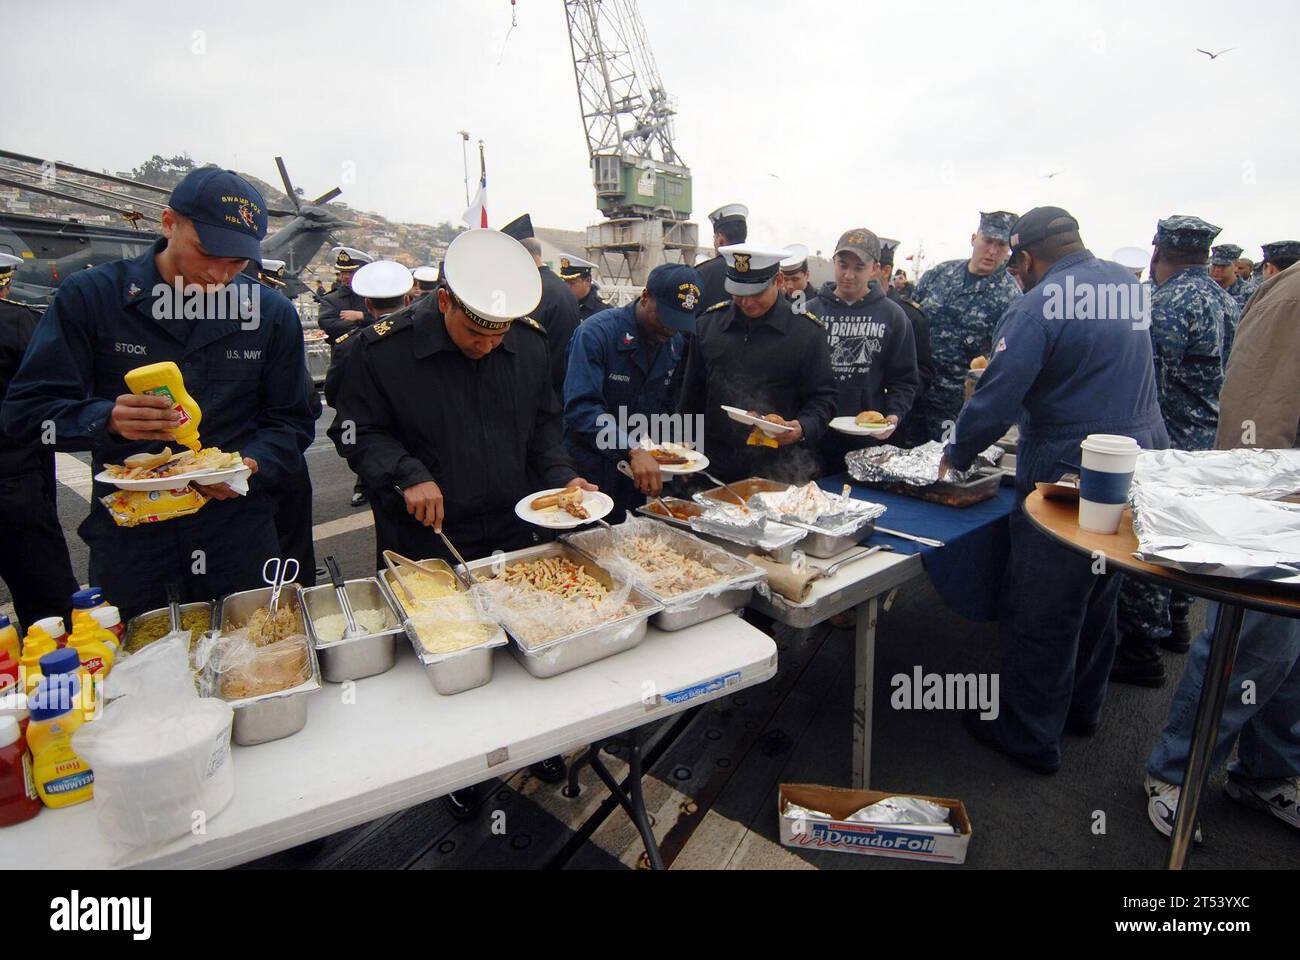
(873,350)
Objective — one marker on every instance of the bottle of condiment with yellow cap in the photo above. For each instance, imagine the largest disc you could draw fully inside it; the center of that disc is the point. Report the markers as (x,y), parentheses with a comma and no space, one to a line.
(165,380)
(36,644)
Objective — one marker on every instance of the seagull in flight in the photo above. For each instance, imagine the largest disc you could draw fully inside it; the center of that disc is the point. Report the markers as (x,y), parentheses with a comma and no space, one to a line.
(1052,176)
(1215,56)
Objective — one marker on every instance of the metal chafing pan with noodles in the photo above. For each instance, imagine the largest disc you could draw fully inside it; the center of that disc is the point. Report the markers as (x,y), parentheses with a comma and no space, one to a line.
(729,591)
(555,655)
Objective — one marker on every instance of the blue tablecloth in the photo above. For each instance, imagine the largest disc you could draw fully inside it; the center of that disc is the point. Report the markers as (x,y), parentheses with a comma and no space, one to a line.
(967,570)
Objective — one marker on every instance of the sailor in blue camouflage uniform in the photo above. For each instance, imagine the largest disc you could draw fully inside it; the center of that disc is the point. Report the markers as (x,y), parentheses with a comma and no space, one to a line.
(964,300)
(1278,256)
(1223,271)
(1062,378)
(1191,318)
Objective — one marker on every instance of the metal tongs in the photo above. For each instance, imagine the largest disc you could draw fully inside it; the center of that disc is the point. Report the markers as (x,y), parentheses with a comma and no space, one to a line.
(341,591)
(625,468)
(276,572)
(739,499)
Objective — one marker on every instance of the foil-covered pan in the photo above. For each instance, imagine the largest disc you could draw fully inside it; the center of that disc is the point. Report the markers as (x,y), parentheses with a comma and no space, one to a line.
(1218,512)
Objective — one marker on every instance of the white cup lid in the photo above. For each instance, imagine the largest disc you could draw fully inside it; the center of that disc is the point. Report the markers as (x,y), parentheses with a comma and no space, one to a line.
(1110,443)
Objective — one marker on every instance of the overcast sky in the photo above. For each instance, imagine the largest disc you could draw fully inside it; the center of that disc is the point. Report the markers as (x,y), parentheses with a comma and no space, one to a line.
(819,114)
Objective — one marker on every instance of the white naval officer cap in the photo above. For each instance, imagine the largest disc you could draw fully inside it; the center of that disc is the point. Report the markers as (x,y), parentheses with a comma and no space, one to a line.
(8,261)
(492,278)
(751,267)
(730,211)
(349,258)
(382,280)
(425,274)
(575,268)
(796,259)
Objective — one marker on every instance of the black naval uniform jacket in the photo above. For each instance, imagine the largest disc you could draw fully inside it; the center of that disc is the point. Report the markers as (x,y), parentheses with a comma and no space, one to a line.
(591,304)
(558,314)
(332,304)
(779,363)
(488,432)
(713,276)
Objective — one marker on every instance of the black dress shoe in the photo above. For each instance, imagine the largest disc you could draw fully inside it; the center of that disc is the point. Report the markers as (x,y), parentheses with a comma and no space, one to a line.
(1077,728)
(464,805)
(550,770)
(982,730)
(1143,673)
(358,498)
(1180,641)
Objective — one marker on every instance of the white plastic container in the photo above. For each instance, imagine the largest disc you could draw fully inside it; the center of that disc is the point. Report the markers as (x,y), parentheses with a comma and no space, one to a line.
(1108,465)
(156,782)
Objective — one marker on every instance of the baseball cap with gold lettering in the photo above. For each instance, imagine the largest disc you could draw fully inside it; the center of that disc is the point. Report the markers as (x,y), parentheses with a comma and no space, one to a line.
(227,211)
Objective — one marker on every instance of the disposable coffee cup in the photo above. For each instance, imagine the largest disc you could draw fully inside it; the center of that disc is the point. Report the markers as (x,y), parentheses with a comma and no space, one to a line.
(1108,464)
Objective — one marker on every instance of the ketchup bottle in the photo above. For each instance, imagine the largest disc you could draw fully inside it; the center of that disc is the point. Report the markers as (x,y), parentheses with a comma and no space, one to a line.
(18,798)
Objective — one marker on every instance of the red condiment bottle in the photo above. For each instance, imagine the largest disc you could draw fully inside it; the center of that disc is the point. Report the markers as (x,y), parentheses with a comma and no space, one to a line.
(18,798)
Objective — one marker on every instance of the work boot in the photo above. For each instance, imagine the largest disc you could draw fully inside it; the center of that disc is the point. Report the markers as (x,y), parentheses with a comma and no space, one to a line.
(464,805)
(1141,673)
(1180,641)
(550,770)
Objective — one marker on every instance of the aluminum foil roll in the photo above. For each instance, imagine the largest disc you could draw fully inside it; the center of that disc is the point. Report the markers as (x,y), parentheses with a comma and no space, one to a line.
(917,467)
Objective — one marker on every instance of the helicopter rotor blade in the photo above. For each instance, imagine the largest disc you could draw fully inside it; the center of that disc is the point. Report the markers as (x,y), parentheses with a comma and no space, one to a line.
(325,198)
(288,184)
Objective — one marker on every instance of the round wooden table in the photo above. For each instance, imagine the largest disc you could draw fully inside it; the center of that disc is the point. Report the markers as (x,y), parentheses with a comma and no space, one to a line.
(1059,519)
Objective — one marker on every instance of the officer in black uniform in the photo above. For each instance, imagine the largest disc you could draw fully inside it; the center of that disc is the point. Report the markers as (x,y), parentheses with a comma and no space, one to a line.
(342,312)
(292,499)
(756,353)
(451,408)
(576,273)
(34,560)
(794,270)
(913,431)
(426,281)
(557,312)
(242,360)
(730,226)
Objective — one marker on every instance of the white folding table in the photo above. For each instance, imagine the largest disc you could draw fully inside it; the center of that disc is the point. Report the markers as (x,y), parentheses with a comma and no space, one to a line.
(390,742)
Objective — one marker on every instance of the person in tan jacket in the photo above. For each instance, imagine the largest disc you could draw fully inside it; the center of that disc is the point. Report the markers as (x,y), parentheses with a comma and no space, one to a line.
(1259,407)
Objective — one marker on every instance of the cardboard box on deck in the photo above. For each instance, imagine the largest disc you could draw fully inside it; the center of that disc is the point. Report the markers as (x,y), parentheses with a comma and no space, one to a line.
(881,840)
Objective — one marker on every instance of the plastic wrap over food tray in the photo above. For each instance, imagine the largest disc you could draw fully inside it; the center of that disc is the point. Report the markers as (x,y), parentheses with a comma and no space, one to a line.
(917,467)
(827,513)
(603,547)
(744,526)
(1214,513)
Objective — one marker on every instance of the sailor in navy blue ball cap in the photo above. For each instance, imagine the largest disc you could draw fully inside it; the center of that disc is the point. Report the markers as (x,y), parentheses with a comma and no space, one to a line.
(621,363)
(228,213)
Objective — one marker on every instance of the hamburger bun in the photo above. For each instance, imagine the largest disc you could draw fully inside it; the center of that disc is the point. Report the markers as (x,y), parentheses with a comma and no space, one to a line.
(147,461)
(979,363)
(870,418)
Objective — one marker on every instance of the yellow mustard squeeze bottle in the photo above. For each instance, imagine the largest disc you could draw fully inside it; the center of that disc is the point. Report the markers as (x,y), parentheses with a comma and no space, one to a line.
(165,380)
(36,644)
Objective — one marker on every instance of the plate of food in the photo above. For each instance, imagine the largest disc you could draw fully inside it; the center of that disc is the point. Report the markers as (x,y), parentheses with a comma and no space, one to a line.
(766,424)
(869,423)
(170,471)
(677,459)
(564,509)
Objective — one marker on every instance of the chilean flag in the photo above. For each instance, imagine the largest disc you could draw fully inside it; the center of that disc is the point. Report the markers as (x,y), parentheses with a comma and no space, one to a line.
(476,215)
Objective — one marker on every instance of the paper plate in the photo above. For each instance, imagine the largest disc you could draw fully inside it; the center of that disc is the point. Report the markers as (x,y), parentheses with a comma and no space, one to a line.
(599,506)
(179,481)
(850,426)
(740,416)
(698,460)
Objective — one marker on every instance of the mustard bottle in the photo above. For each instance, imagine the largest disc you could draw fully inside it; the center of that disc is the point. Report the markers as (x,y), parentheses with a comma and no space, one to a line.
(165,380)
(36,644)
(94,644)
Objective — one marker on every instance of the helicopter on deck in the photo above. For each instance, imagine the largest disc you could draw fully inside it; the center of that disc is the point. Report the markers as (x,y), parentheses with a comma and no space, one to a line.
(53,248)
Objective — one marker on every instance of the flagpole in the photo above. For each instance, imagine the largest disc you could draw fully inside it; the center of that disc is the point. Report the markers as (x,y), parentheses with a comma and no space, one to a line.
(464,161)
(482,167)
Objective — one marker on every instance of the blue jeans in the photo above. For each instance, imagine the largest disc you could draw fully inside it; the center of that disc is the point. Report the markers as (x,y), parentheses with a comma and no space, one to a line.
(1268,656)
